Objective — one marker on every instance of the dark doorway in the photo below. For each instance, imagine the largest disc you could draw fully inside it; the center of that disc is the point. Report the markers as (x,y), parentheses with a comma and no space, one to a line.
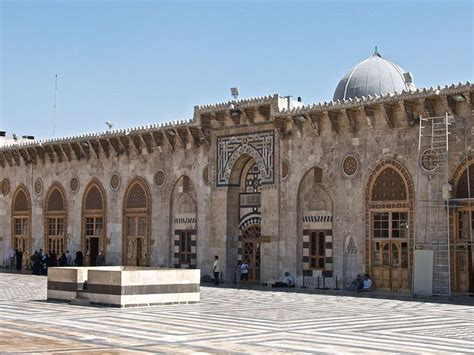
(94,251)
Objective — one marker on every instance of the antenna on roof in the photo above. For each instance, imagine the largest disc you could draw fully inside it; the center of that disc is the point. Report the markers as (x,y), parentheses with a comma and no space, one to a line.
(54,108)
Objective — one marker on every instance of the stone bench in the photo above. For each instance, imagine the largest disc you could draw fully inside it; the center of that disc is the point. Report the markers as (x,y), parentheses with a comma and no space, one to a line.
(119,286)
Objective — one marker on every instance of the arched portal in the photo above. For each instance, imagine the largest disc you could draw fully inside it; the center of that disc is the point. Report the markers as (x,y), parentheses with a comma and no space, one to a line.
(137,224)
(389,231)
(184,223)
(93,222)
(244,215)
(21,224)
(315,220)
(55,220)
(462,236)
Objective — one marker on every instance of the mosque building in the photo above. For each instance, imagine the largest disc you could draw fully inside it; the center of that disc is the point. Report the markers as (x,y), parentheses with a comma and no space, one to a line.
(370,182)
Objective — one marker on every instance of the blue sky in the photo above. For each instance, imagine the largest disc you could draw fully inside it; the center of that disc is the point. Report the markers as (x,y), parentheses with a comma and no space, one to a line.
(143,62)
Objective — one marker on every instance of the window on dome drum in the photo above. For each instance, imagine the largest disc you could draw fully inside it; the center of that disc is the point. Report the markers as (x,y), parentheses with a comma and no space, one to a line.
(185,247)
(317,249)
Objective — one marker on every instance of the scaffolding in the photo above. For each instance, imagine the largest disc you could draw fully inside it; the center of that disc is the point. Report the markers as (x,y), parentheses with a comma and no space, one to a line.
(433,225)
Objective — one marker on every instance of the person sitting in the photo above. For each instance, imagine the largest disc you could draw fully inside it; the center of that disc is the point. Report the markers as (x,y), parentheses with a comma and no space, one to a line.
(355,284)
(286,281)
(366,284)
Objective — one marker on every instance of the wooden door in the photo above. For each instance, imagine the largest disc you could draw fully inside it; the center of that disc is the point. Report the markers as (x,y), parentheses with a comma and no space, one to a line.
(251,245)
(137,248)
(390,266)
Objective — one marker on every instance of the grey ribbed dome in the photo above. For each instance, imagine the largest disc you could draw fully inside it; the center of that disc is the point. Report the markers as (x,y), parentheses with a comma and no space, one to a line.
(373,76)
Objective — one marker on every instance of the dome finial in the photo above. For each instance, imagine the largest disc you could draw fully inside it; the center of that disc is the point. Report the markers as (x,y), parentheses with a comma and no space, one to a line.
(376,52)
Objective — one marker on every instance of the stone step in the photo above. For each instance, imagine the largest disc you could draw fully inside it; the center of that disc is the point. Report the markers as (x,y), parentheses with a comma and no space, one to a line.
(80,302)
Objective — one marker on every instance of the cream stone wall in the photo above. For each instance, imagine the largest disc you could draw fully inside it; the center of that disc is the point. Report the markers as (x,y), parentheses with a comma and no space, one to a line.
(321,142)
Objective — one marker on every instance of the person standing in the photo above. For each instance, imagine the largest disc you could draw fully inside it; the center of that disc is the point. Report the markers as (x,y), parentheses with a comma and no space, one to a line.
(244,271)
(11,258)
(216,269)
(69,258)
(100,259)
(79,258)
(19,259)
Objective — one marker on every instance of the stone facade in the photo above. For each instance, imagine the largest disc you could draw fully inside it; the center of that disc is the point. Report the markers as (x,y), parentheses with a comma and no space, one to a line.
(291,171)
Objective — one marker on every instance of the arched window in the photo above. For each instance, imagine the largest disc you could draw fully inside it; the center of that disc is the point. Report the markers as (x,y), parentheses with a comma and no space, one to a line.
(462,215)
(136,224)
(184,223)
(21,224)
(390,225)
(93,223)
(56,220)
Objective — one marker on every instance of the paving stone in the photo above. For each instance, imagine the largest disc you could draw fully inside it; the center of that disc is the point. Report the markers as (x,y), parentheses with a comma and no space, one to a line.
(231,320)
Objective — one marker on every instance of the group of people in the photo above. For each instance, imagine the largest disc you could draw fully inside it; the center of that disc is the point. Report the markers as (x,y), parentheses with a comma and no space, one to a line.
(360,284)
(41,261)
(242,273)
(15,259)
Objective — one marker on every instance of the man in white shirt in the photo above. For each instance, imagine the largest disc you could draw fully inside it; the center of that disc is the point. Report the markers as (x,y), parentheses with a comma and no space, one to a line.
(366,284)
(216,269)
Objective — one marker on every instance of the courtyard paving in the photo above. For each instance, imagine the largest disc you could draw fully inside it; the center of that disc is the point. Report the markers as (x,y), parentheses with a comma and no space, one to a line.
(231,320)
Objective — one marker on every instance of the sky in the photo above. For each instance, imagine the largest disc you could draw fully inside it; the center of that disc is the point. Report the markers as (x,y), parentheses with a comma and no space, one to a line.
(143,62)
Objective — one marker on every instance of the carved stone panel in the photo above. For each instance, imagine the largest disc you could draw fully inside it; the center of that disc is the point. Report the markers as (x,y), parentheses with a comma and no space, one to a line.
(115,181)
(74,184)
(39,186)
(260,146)
(350,166)
(429,160)
(5,186)
(159,178)
(205,174)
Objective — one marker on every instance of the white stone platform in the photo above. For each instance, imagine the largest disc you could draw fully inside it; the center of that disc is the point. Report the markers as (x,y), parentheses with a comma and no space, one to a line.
(120,286)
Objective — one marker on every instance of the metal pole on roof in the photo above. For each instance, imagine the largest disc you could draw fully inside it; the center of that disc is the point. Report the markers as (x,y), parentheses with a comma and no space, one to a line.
(55,100)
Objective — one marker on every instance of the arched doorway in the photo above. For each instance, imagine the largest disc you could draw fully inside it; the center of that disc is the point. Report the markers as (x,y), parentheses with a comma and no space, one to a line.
(56,220)
(21,224)
(249,246)
(184,223)
(389,218)
(137,224)
(315,225)
(462,237)
(93,223)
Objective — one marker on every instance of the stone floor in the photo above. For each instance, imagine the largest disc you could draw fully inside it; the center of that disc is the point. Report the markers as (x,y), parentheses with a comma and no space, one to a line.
(231,320)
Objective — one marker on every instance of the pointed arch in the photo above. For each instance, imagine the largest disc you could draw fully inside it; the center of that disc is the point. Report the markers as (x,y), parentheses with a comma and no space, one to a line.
(55,219)
(462,225)
(136,228)
(94,223)
(389,204)
(183,223)
(21,237)
(315,224)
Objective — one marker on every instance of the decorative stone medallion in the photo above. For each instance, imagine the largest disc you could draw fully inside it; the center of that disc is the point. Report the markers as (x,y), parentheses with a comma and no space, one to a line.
(5,186)
(285,168)
(38,186)
(429,160)
(350,166)
(115,181)
(74,184)
(205,174)
(159,178)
